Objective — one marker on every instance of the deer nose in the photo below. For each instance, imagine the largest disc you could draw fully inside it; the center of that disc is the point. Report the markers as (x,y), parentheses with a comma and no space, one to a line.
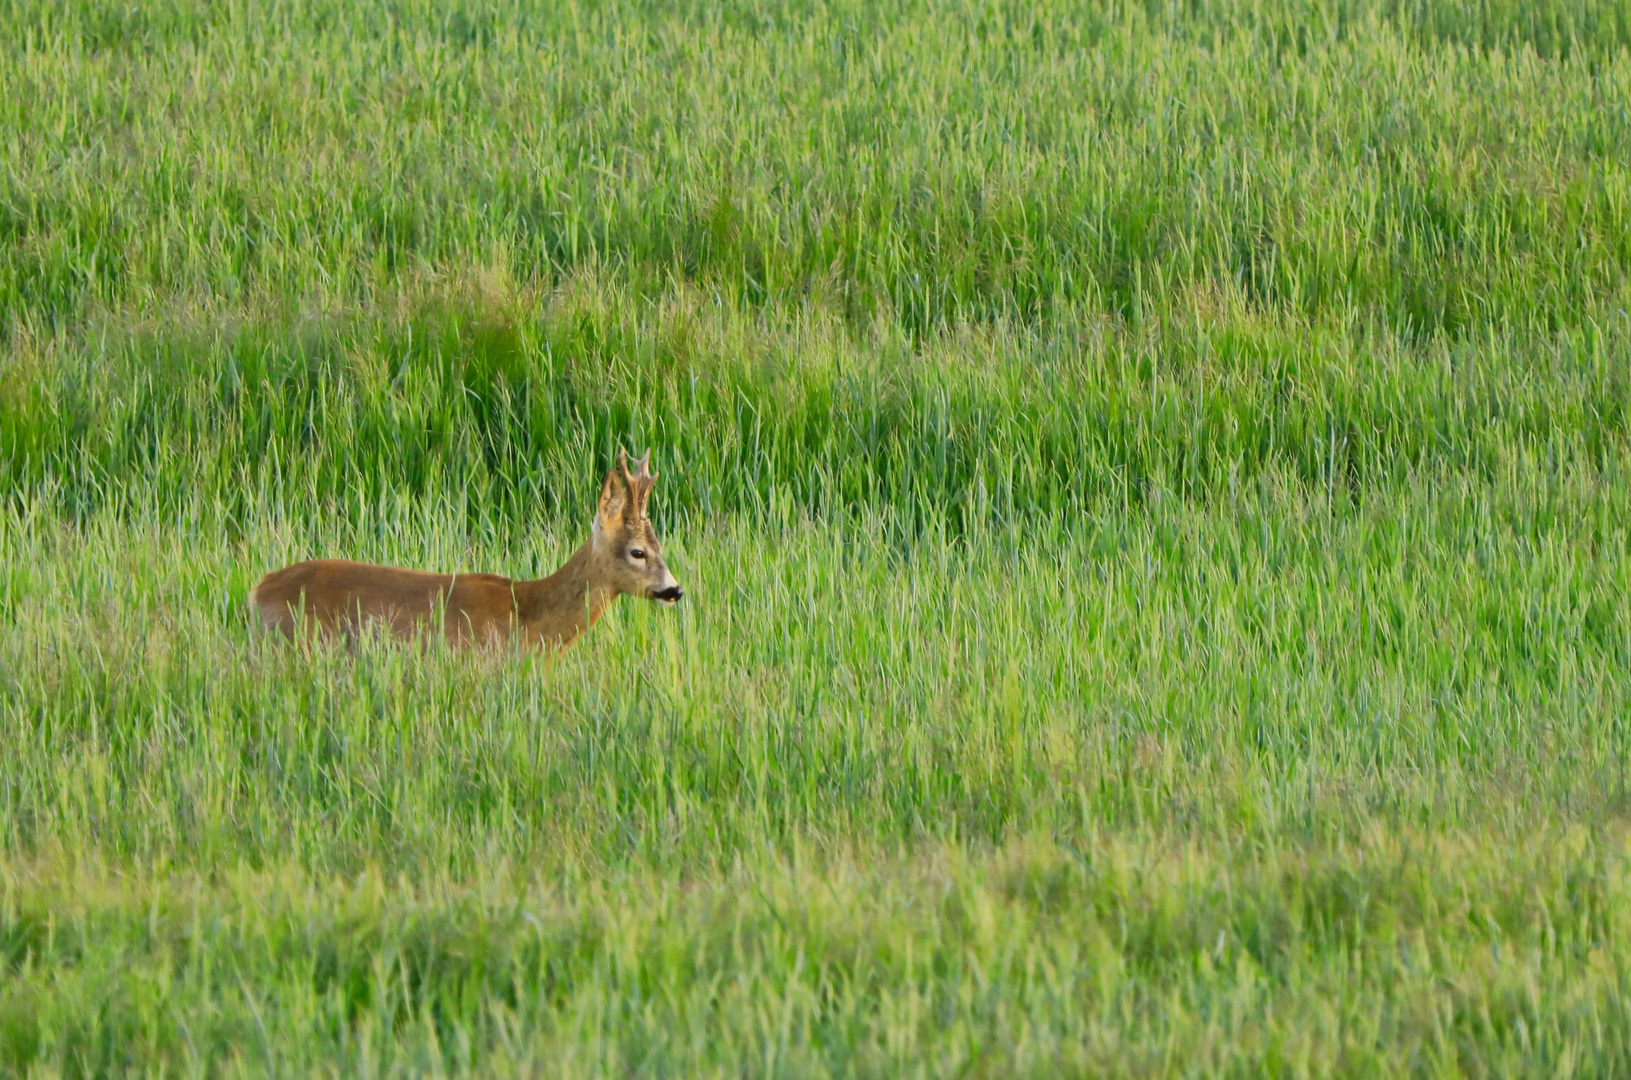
(668,595)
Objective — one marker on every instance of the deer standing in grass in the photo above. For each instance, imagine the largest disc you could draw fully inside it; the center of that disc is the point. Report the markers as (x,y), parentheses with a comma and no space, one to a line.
(620,556)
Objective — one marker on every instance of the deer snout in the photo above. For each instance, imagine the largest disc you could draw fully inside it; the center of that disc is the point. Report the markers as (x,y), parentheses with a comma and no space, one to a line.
(668,595)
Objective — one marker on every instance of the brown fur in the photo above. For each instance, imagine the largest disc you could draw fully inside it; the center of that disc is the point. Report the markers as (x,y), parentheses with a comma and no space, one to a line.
(337,596)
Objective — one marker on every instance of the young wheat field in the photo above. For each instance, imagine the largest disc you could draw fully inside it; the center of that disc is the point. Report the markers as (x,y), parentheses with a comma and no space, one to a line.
(1151,481)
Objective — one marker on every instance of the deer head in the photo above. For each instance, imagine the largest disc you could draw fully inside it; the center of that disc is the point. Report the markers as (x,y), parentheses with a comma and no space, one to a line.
(626,554)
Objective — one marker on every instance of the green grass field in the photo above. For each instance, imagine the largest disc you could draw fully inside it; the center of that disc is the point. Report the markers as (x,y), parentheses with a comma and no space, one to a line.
(1152,483)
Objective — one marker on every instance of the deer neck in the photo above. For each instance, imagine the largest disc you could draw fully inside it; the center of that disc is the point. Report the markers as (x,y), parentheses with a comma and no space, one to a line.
(558,608)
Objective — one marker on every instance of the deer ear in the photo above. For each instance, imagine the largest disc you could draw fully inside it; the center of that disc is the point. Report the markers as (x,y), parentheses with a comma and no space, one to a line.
(614,500)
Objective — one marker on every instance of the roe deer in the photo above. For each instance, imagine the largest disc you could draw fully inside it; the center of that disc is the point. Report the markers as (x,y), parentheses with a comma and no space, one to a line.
(620,556)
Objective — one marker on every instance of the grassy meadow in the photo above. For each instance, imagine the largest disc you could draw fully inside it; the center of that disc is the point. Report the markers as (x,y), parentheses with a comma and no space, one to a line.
(1152,483)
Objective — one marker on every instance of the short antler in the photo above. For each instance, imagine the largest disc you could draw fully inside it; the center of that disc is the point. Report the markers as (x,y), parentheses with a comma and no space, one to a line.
(639,482)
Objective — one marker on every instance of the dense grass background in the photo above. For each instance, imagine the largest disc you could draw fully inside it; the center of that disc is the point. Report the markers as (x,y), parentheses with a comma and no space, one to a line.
(1151,483)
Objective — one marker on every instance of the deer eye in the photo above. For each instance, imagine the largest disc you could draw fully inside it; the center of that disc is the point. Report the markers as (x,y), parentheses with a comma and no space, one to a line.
(637,553)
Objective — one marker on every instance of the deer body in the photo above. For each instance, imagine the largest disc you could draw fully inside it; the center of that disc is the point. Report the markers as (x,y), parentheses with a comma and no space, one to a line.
(620,556)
